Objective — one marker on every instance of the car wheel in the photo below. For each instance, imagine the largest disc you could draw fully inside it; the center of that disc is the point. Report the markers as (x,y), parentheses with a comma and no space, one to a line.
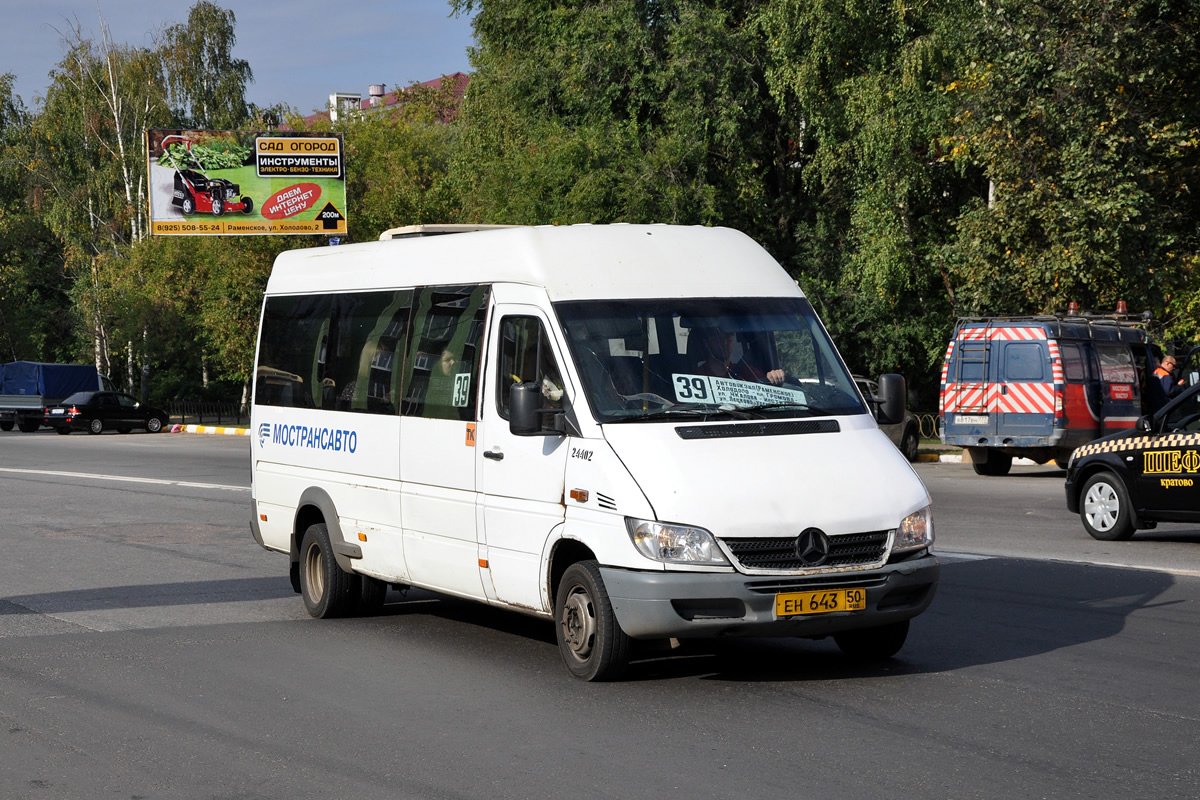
(1105,510)
(189,206)
(873,644)
(154,424)
(910,443)
(28,427)
(247,205)
(590,639)
(323,585)
(218,206)
(95,425)
(370,596)
(995,462)
(6,426)
(63,430)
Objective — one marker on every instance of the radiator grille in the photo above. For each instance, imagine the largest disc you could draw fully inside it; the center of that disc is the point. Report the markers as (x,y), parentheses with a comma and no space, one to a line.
(846,550)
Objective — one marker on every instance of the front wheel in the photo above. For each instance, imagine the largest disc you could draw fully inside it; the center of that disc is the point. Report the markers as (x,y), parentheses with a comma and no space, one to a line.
(590,639)
(154,425)
(323,585)
(218,206)
(189,206)
(873,644)
(247,205)
(910,443)
(1105,510)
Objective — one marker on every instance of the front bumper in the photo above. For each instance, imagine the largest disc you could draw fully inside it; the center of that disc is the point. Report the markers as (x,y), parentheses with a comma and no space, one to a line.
(685,605)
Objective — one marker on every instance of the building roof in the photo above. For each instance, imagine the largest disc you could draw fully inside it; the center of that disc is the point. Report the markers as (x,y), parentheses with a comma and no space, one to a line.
(396,97)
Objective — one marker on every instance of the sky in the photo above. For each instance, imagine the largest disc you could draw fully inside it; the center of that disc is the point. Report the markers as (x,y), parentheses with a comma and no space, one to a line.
(300,51)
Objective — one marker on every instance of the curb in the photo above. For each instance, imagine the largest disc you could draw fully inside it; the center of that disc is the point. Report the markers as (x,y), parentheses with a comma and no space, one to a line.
(220,431)
(956,458)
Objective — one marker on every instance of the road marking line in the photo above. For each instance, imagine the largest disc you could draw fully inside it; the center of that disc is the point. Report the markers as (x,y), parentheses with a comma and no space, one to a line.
(126,479)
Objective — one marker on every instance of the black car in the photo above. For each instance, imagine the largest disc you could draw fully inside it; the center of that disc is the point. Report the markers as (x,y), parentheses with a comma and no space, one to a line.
(95,412)
(1142,476)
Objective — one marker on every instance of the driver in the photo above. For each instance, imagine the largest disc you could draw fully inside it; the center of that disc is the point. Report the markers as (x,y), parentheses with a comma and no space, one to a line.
(718,347)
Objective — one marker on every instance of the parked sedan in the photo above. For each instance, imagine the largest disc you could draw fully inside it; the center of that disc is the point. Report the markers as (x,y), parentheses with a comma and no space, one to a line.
(904,434)
(96,412)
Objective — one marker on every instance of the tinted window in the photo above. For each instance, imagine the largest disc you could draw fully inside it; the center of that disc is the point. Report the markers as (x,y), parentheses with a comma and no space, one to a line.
(1073,361)
(363,351)
(442,369)
(1024,362)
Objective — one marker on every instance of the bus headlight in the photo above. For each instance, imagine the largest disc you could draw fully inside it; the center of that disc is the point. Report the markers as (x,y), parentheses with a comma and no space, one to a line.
(915,531)
(674,544)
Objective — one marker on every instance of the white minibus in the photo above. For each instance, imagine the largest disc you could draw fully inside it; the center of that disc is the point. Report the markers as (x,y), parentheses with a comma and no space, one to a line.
(639,432)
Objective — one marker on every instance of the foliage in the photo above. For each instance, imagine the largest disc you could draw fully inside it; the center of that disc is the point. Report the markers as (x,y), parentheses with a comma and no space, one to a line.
(207,84)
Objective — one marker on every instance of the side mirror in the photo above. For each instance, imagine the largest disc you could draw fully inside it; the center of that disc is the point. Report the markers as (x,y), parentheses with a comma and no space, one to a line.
(525,411)
(892,392)
(1145,425)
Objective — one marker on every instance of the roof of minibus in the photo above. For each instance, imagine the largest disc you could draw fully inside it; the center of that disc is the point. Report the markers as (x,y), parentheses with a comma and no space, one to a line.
(572,262)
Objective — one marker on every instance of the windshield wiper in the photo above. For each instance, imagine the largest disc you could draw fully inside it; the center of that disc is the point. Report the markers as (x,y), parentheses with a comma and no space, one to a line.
(687,410)
(816,410)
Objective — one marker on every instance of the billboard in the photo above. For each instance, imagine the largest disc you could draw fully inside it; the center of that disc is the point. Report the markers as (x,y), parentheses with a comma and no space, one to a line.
(246,183)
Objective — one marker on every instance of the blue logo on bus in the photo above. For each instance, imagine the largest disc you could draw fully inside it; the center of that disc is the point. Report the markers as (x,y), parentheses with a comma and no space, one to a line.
(339,440)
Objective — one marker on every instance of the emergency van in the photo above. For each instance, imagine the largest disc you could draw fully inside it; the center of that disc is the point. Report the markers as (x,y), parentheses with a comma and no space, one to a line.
(639,432)
(1038,387)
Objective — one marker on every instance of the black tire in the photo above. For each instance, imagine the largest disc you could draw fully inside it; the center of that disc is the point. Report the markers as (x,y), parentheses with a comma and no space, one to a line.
(188,206)
(1062,461)
(63,429)
(996,462)
(910,443)
(873,644)
(218,206)
(95,425)
(590,640)
(6,426)
(154,425)
(370,596)
(247,205)
(325,588)
(28,426)
(1104,508)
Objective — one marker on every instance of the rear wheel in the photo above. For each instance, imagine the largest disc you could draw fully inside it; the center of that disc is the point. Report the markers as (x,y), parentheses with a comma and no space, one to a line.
(987,461)
(590,639)
(873,644)
(218,206)
(323,585)
(95,425)
(247,205)
(1105,508)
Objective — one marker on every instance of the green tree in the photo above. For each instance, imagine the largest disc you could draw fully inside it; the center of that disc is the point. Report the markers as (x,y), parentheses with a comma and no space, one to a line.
(207,84)
(1082,117)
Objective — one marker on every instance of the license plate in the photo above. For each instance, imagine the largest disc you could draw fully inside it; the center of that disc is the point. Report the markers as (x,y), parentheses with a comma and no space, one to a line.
(792,603)
(56,411)
(970,419)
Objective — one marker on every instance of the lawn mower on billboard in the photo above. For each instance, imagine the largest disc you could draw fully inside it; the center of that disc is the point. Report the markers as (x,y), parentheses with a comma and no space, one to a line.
(195,192)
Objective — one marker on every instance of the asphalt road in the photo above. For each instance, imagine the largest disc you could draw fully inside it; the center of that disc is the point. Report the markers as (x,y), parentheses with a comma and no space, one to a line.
(149,649)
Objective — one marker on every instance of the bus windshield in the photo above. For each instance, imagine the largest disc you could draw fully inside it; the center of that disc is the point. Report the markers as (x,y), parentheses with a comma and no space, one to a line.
(760,357)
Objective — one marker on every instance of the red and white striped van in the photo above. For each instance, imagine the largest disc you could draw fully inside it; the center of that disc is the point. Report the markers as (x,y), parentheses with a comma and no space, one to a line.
(1038,387)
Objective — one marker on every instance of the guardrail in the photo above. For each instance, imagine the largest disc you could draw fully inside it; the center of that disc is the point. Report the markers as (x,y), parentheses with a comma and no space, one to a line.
(930,426)
(206,412)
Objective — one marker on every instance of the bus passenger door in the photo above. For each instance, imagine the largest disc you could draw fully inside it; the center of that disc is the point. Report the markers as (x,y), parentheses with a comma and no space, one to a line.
(521,477)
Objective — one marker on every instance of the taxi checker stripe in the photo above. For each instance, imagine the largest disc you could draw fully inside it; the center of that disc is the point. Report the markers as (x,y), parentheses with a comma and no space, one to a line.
(1140,443)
